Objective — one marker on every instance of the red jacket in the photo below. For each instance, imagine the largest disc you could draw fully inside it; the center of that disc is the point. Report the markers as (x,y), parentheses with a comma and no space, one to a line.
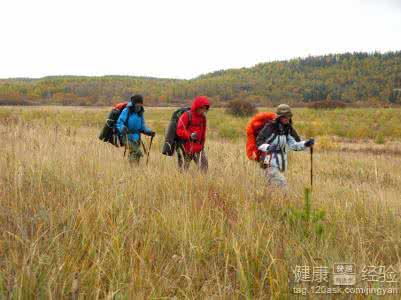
(198,125)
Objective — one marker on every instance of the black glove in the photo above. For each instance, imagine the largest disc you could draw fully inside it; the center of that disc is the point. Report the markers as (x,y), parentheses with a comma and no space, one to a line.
(193,137)
(272,148)
(310,143)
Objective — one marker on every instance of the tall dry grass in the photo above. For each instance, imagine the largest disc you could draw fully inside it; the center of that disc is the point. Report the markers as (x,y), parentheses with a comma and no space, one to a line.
(78,222)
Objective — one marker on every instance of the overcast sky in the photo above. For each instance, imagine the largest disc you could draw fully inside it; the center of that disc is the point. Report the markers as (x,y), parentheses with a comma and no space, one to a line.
(183,39)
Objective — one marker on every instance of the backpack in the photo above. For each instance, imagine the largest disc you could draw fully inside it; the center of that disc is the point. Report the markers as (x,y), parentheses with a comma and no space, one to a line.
(109,132)
(253,127)
(172,141)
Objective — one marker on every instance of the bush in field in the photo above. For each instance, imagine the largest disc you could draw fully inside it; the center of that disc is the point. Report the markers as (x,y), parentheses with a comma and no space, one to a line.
(327,104)
(16,102)
(306,219)
(379,139)
(241,108)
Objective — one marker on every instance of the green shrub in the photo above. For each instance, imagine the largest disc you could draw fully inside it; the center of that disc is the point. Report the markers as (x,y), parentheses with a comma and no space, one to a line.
(379,139)
(327,104)
(241,108)
(307,220)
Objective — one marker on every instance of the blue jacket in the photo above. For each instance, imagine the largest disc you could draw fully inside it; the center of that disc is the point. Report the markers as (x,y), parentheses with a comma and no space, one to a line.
(136,124)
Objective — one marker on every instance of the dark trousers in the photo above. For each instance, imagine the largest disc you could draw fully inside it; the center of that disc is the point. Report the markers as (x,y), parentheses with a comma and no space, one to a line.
(184,159)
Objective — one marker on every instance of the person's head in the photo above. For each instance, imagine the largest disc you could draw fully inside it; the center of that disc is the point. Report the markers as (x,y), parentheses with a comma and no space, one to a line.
(200,105)
(137,100)
(284,114)
(137,103)
(284,120)
(202,110)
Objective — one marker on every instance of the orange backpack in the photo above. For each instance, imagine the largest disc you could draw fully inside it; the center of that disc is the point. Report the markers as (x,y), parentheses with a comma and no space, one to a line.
(252,129)
(120,106)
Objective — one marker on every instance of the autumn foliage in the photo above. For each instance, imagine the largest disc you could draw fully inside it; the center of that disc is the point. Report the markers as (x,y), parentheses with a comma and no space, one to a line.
(368,78)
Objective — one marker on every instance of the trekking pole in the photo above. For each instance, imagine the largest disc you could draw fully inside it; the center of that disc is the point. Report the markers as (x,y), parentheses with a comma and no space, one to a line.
(125,144)
(143,147)
(150,146)
(311,167)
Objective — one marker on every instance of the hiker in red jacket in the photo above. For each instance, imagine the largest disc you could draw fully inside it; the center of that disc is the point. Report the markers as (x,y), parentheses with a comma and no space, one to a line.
(191,129)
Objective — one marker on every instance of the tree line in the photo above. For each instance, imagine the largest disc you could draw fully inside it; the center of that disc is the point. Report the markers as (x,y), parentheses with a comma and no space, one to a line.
(369,78)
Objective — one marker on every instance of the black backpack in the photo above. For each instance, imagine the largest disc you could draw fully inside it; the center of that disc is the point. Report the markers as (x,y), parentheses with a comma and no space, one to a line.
(109,132)
(172,141)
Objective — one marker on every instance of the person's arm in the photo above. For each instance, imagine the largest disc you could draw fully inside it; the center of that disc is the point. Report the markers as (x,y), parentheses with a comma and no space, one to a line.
(182,127)
(294,145)
(122,119)
(203,138)
(144,128)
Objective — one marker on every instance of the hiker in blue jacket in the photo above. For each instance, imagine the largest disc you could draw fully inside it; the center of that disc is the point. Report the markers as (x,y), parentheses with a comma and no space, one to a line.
(131,124)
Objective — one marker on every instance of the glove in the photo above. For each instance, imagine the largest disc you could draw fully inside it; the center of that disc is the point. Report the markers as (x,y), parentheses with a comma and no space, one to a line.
(310,143)
(272,148)
(193,137)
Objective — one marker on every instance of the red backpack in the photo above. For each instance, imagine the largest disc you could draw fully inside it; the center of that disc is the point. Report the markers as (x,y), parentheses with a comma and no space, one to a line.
(120,106)
(252,129)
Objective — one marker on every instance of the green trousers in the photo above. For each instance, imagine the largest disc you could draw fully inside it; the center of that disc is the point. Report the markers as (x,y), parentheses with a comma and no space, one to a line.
(134,152)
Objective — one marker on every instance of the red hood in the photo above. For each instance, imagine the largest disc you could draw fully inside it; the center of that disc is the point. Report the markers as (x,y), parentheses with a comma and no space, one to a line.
(199,102)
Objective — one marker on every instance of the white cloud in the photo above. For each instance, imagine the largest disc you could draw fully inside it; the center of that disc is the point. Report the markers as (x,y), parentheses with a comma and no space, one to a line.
(184,39)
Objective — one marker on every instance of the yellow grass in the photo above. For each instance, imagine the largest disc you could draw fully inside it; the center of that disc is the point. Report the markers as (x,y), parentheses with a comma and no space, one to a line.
(77,221)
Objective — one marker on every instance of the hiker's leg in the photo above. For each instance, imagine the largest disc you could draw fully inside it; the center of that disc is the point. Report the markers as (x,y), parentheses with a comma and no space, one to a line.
(179,158)
(276,179)
(201,161)
(135,152)
(196,159)
(187,160)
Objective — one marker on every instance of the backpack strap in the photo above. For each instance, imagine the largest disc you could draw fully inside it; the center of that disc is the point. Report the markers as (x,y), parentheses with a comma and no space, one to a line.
(266,135)
(128,115)
(189,117)
(294,133)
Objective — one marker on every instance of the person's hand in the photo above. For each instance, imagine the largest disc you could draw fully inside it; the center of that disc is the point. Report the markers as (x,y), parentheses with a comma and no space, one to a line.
(272,148)
(152,133)
(194,136)
(310,143)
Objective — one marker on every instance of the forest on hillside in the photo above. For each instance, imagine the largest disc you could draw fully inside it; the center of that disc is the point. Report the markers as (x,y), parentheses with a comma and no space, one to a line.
(364,78)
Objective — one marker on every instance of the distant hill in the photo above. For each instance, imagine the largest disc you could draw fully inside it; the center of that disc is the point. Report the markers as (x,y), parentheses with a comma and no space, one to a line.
(370,78)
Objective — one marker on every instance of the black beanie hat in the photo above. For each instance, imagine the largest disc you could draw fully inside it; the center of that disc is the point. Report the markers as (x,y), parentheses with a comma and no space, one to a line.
(137,99)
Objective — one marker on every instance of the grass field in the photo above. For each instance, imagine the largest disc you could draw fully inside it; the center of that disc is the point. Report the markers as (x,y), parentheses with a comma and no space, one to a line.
(78,222)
